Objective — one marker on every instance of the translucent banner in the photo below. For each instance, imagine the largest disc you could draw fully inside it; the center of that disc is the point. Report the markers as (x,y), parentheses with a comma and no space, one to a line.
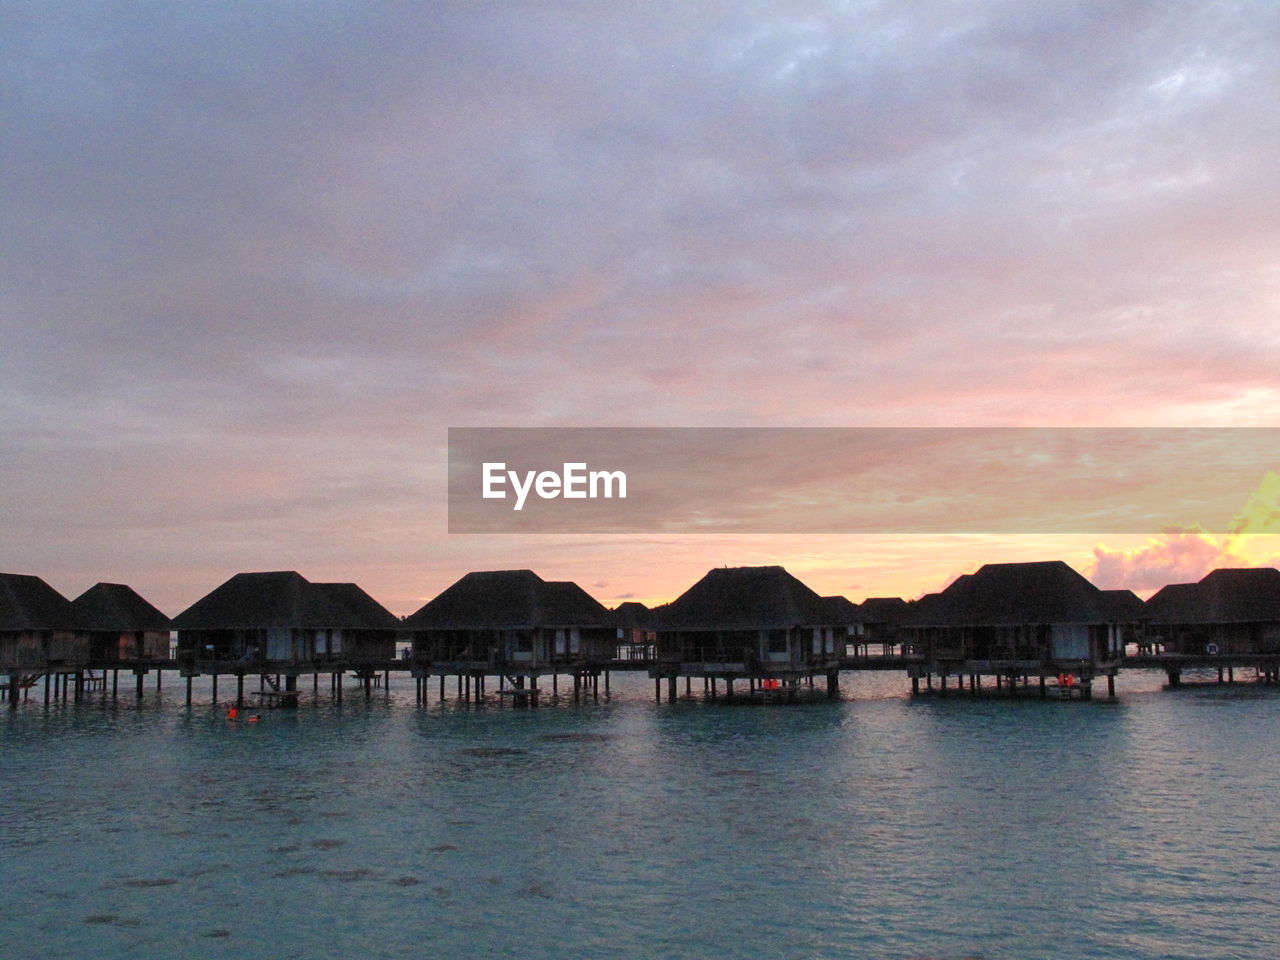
(860,480)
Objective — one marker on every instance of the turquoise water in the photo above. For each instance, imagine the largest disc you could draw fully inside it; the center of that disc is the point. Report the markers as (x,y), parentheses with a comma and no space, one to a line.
(875,826)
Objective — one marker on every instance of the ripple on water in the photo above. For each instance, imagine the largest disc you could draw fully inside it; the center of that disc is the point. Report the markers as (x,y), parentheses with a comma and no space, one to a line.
(876,826)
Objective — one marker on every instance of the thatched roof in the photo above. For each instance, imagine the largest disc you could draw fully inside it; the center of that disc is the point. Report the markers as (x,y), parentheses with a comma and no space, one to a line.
(268,601)
(509,600)
(928,610)
(1008,594)
(1125,605)
(116,608)
(1174,603)
(841,611)
(632,614)
(1242,595)
(1227,595)
(882,610)
(28,603)
(372,614)
(746,598)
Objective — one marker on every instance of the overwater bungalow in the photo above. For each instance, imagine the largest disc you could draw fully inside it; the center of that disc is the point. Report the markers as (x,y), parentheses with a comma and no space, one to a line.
(39,633)
(1230,617)
(121,625)
(1016,621)
(372,638)
(282,624)
(1128,613)
(637,639)
(1166,610)
(758,624)
(876,624)
(515,625)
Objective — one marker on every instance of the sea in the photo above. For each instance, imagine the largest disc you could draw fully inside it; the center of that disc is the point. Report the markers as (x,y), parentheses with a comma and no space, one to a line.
(876,825)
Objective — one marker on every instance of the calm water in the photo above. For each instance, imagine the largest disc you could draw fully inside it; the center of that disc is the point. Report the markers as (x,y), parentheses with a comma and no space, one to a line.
(876,826)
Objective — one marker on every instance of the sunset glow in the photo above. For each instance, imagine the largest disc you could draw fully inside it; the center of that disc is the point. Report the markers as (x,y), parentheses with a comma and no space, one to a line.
(257,260)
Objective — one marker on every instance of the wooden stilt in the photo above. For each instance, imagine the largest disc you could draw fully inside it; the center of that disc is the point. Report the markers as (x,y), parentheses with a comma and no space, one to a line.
(239,690)
(188,690)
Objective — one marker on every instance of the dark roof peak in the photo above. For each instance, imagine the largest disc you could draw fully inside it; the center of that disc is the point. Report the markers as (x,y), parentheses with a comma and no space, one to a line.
(734,598)
(1028,592)
(28,603)
(277,599)
(117,607)
(509,599)
(1225,595)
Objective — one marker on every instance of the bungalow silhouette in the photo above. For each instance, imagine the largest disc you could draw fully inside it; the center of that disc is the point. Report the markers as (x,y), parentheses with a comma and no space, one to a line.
(281,623)
(636,636)
(1016,621)
(39,634)
(515,625)
(1230,617)
(121,625)
(760,624)
(877,622)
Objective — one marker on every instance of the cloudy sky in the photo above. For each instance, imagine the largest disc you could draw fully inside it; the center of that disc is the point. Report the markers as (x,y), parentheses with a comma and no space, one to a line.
(258,257)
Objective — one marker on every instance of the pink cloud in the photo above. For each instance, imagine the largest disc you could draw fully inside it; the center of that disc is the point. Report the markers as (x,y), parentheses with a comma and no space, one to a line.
(1177,556)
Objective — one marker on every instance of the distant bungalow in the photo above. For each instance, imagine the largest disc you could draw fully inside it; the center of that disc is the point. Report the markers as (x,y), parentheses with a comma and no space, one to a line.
(283,624)
(877,622)
(39,633)
(1230,613)
(515,625)
(636,636)
(1016,621)
(121,625)
(760,624)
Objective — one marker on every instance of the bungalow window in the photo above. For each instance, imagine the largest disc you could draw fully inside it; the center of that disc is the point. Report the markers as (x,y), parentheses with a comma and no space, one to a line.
(524,641)
(777,642)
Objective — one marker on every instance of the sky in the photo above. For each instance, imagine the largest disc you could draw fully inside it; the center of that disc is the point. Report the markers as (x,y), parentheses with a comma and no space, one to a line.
(257,258)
